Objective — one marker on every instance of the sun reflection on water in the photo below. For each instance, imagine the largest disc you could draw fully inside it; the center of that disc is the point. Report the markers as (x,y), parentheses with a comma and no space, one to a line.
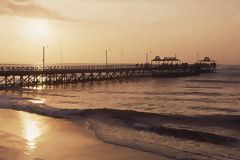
(38,101)
(31,131)
(39,88)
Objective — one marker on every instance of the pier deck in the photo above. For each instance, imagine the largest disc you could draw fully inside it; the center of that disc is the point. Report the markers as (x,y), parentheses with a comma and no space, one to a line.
(50,75)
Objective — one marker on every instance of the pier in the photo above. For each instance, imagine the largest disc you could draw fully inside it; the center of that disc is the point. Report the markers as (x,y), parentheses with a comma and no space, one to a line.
(51,75)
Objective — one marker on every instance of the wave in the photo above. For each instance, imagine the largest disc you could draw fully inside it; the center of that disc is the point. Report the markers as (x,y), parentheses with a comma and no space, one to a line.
(198,136)
(133,117)
(202,93)
(202,87)
(214,109)
(214,81)
(14,88)
(45,110)
(127,115)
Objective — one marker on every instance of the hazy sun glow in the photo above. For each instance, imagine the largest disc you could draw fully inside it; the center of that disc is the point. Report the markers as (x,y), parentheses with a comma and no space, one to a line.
(37,28)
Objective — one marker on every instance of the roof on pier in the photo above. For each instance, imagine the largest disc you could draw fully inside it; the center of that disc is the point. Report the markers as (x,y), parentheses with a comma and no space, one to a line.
(206,60)
(165,59)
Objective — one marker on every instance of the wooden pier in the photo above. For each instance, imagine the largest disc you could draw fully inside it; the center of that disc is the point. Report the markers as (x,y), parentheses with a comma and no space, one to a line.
(51,75)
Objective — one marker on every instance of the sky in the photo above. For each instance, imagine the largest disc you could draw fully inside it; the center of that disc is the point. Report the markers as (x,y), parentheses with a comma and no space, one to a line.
(83,29)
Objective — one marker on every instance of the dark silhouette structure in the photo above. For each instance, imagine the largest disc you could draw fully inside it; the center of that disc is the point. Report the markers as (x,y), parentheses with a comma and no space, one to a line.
(50,75)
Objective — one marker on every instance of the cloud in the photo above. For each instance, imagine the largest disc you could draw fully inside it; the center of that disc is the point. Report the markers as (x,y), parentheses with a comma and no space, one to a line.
(28,8)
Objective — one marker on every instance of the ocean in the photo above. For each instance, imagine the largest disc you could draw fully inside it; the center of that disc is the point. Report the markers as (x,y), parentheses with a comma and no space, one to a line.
(184,118)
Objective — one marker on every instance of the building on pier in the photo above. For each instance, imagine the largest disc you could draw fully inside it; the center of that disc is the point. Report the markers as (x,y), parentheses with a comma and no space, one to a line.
(166,60)
(206,60)
(207,65)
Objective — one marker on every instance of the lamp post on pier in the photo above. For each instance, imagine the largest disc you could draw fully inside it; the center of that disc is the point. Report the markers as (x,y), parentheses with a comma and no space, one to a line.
(106,52)
(146,57)
(44,56)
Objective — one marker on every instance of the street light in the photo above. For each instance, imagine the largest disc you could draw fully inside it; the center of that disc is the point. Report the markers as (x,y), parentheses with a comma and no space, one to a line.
(44,56)
(61,56)
(146,57)
(107,56)
(148,54)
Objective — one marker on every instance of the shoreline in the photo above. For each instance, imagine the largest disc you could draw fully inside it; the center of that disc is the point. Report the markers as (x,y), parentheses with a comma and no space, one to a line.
(43,137)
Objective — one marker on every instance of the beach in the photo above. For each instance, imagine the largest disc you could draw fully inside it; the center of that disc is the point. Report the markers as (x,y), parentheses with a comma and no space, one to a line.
(29,136)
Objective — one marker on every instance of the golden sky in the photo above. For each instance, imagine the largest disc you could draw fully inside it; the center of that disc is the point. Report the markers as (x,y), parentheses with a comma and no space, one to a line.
(130,28)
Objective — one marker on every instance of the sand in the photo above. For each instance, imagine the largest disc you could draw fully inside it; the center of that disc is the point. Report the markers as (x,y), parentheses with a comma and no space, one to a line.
(30,136)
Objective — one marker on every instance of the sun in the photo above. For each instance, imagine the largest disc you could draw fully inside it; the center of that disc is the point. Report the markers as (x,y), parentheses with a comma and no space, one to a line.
(38,28)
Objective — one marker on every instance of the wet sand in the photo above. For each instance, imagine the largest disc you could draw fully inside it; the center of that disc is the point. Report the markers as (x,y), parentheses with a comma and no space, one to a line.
(29,136)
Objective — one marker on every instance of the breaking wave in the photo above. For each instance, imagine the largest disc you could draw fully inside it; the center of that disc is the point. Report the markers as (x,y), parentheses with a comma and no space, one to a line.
(150,122)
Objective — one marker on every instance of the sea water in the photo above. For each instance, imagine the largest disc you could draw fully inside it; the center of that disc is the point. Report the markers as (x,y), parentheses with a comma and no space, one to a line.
(194,117)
